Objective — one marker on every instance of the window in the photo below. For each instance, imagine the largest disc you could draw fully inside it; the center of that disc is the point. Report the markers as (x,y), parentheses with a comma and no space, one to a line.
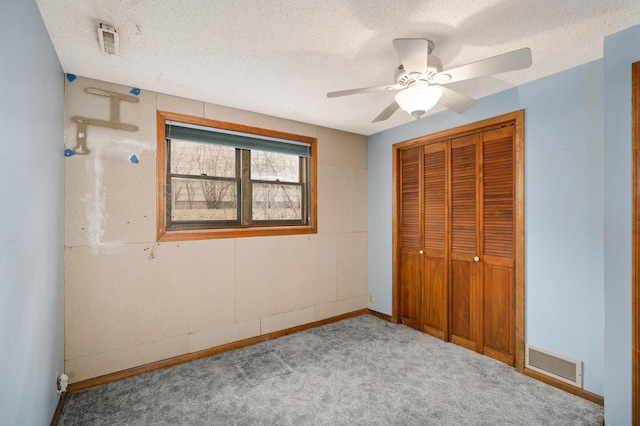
(221,180)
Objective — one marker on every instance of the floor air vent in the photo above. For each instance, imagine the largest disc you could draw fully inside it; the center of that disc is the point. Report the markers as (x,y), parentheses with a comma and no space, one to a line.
(559,367)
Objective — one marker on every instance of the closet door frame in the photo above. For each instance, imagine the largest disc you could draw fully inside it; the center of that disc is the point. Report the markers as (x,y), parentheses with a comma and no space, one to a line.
(517,119)
(635,254)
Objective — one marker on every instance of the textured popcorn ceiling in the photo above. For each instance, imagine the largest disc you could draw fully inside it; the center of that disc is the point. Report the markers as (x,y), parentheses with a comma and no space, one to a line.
(281,57)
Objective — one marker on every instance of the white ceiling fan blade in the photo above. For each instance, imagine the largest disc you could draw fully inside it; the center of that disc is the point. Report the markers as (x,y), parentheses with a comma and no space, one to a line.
(364,90)
(388,112)
(456,101)
(515,60)
(413,53)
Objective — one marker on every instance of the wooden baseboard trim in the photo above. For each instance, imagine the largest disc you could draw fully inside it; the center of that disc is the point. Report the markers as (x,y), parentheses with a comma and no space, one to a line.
(59,407)
(182,359)
(381,315)
(565,386)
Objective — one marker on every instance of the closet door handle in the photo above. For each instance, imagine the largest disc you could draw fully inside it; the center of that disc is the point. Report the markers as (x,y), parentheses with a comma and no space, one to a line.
(476,258)
(421,252)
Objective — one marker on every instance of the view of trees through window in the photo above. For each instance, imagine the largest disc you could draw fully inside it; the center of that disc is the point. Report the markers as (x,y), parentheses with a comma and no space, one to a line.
(206,184)
(282,199)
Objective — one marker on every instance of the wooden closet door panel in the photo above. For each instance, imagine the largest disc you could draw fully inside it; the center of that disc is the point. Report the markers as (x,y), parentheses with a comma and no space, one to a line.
(461,308)
(410,198)
(411,310)
(435,297)
(499,332)
(463,196)
(434,280)
(410,274)
(435,197)
(498,244)
(498,193)
(463,283)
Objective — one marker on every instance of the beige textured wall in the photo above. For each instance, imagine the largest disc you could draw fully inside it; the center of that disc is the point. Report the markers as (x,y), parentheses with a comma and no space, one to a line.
(125,308)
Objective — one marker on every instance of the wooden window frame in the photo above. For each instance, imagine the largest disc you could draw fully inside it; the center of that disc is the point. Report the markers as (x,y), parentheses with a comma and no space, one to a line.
(164,234)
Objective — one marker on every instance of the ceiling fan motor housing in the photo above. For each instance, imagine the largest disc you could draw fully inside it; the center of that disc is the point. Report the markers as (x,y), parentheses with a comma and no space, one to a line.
(434,66)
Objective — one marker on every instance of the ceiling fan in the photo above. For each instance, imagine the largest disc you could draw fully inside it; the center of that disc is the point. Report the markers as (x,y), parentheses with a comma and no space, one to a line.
(421,80)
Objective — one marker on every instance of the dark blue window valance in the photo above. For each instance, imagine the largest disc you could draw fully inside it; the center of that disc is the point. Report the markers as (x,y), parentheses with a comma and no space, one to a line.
(204,134)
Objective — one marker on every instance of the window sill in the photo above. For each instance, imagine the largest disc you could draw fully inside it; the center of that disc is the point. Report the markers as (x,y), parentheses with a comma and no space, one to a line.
(211,234)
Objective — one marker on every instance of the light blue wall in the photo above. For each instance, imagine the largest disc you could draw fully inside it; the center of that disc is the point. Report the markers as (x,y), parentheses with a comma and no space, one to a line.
(31,217)
(564,209)
(620,51)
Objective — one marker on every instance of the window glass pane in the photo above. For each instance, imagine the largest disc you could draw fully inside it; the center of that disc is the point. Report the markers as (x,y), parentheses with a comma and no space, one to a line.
(274,166)
(192,158)
(203,199)
(276,202)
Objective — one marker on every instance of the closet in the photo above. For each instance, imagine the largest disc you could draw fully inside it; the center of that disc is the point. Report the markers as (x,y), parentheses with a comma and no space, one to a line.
(457,205)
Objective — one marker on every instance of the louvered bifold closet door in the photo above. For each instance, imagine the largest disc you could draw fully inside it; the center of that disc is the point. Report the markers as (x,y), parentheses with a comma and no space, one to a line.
(465,280)
(458,218)
(410,295)
(436,230)
(498,243)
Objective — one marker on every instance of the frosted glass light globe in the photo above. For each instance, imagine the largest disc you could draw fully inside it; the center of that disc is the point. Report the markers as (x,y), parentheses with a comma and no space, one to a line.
(418,98)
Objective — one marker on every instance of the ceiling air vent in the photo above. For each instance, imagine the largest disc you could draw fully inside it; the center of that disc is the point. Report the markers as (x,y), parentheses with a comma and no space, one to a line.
(559,367)
(108,39)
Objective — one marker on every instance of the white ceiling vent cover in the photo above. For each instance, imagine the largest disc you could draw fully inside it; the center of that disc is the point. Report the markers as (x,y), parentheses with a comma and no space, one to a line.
(559,367)
(108,39)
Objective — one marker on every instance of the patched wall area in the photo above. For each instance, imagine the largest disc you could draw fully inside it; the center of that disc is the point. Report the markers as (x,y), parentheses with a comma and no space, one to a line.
(131,300)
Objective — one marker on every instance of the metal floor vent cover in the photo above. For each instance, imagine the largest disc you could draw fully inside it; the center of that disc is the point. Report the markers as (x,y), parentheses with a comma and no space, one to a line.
(559,367)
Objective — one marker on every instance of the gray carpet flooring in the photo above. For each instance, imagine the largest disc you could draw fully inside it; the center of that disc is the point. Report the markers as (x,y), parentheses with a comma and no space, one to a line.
(360,371)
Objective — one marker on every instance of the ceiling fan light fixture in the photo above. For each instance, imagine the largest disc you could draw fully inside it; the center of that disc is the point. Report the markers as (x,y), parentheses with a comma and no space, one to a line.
(419,98)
